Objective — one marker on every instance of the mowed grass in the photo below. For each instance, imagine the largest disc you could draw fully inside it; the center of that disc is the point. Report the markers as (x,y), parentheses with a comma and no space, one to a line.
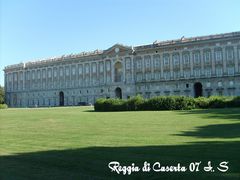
(78,143)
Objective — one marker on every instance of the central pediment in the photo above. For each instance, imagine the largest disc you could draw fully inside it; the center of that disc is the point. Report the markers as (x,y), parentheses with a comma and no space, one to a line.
(118,49)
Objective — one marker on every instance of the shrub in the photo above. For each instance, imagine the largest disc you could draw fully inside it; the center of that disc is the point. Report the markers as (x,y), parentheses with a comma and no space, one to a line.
(155,103)
(217,102)
(98,105)
(201,102)
(165,103)
(234,102)
(135,103)
(183,103)
(110,105)
(3,106)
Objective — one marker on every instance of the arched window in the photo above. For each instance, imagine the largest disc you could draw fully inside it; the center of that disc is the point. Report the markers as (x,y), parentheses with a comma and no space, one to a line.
(118,72)
(186,59)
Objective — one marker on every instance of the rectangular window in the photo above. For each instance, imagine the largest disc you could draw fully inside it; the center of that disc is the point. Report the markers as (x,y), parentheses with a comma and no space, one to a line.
(139,77)
(39,75)
(176,60)
(187,74)
(148,76)
(94,68)
(207,56)
(33,74)
(196,57)
(230,70)
(186,59)
(87,68)
(197,72)
(156,75)
(44,73)
(219,72)
(128,64)
(176,74)
(147,62)
(218,56)
(157,63)
(61,72)
(166,60)
(166,75)
(49,73)
(101,67)
(229,54)
(73,70)
(80,70)
(108,65)
(55,72)
(139,64)
(208,72)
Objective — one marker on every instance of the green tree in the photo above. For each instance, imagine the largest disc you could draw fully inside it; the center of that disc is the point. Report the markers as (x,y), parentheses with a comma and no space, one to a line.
(1,95)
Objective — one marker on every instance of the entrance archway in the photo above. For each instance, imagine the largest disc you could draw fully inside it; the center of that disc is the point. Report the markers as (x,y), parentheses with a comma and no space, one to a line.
(118,93)
(197,89)
(61,98)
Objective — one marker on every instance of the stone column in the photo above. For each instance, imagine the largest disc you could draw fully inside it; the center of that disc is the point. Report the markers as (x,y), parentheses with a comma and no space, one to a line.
(78,75)
(191,62)
(213,61)
(132,68)
(104,72)
(112,70)
(161,64)
(83,75)
(235,56)
(70,76)
(13,81)
(58,76)
(202,62)
(18,81)
(181,64)
(64,78)
(171,65)
(124,71)
(143,67)
(224,59)
(90,73)
(152,67)
(52,84)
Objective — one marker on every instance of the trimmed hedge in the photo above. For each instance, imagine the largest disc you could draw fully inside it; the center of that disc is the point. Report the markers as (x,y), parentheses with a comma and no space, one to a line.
(3,106)
(138,103)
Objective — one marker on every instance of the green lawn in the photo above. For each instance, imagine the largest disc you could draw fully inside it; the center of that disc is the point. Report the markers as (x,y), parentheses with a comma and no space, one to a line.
(78,143)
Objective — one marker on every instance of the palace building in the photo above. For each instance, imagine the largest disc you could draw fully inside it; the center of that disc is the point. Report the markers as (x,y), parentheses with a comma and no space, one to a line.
(197,66)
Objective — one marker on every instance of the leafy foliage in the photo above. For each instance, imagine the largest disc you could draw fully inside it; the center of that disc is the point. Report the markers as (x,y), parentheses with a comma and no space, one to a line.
(2,95)
(3,106)
(138,103)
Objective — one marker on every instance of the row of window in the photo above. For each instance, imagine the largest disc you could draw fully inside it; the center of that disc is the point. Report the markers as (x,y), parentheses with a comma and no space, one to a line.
(196,57)
(208,84)
(207,56)
(219,92)
(186,73)
(139,77)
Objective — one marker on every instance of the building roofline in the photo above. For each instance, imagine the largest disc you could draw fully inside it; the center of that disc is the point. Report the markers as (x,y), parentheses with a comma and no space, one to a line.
(188,40)
(155,44)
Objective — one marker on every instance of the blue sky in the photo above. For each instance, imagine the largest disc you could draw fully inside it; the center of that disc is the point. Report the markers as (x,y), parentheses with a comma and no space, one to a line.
(31,29)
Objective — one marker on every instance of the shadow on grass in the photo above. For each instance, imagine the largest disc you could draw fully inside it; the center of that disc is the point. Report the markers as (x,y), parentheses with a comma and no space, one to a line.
(221,113)
(231,130)
(89,110)
(92,162)
(215,131)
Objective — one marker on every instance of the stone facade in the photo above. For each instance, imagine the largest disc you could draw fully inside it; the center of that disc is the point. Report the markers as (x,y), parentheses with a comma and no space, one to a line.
(199,66)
